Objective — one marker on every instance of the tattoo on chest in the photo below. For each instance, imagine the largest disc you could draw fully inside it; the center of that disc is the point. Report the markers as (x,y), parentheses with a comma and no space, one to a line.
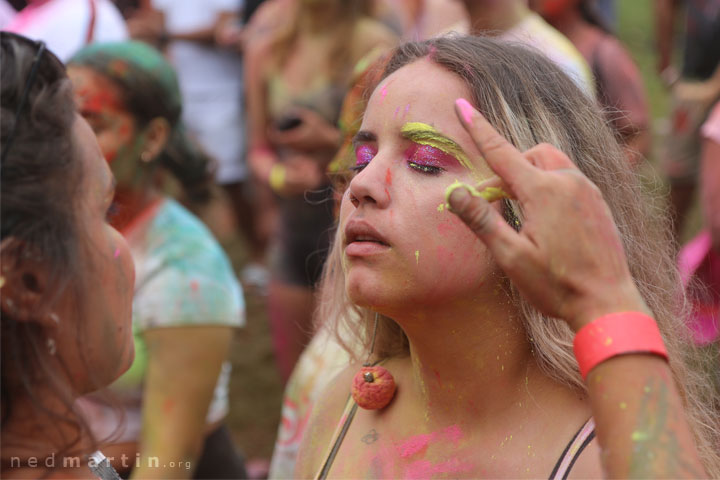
(370,437)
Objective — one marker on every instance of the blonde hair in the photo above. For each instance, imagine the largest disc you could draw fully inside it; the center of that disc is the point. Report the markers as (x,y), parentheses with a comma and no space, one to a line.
(349,12)
(529,100)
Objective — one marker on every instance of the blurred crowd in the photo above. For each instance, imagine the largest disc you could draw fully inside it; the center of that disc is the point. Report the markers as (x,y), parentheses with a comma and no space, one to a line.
(227,118)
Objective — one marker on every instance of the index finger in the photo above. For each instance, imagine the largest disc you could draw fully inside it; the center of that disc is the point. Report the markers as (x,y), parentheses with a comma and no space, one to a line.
(502,157)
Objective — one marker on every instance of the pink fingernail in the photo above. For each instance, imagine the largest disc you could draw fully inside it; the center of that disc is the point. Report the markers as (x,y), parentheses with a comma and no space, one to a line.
(465,109)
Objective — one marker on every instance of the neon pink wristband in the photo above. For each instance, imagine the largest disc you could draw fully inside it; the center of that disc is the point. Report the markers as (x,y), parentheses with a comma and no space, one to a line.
(616,334)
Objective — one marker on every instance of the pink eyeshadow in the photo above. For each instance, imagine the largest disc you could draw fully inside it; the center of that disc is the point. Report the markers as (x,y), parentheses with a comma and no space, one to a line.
(429,156)
(363,154)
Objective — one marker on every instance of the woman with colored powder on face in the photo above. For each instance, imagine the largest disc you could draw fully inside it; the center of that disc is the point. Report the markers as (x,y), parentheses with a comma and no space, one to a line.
(187,300)
(296,80)
(67,276)
(469,345)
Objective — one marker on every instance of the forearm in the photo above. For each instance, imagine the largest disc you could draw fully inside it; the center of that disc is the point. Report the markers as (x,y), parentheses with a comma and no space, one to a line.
(206,36)
(664,15)
(183,368)
(710,188)
(640,422)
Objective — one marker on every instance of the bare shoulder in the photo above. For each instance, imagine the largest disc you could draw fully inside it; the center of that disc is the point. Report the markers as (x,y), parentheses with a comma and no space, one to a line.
(370,34)
(326,414)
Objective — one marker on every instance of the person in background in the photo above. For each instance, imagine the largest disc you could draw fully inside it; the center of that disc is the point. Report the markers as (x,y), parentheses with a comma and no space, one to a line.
(513,21)
(68,25)
(66,281)
(7,13)
(618,84)
(608,10)
(699,259)
(187,301)
(694,90)
(421,19)
(296,81)
(210,72)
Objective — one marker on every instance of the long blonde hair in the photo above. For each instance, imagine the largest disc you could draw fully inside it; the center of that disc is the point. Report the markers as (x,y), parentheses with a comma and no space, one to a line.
(349,12)
(530,100)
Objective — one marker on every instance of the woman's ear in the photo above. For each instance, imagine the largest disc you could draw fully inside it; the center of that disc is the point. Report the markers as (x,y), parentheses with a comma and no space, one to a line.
(24,283)
(157,135)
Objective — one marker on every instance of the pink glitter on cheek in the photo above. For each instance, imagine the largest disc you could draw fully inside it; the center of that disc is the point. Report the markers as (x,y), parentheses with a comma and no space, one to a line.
(363,155)
(428,156)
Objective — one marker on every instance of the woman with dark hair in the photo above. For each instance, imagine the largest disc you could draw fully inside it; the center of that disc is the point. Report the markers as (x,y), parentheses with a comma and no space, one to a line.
(187,300)
(534,343)
(67,275)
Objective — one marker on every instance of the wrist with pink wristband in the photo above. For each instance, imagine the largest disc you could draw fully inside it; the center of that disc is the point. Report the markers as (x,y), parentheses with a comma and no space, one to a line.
(616,334)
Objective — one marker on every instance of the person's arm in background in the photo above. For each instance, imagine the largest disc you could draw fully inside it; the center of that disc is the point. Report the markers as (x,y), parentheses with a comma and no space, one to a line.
(640,420)
(183,368)
(710,176)
(148,24)
(261,157)
(665,16)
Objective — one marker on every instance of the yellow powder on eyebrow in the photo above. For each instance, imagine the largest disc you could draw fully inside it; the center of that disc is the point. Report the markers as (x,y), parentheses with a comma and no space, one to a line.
(425,134)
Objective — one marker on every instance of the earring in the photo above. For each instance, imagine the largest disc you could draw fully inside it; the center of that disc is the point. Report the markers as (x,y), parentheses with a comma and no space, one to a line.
(145,157)
(373,386)
(51,346)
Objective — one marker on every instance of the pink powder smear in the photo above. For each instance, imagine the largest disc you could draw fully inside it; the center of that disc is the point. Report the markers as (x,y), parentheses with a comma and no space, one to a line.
(427,469)
(117,253)
(419,443)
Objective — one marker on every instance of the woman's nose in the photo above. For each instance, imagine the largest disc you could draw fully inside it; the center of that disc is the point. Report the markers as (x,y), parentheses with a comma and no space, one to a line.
(372,184)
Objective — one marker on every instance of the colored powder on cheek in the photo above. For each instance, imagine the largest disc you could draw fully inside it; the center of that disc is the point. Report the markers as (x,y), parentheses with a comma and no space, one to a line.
(388,177)
(417,257)
(397,110)
(100,101)
(446,229)
(383,92)
(117,253)
(124,130)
